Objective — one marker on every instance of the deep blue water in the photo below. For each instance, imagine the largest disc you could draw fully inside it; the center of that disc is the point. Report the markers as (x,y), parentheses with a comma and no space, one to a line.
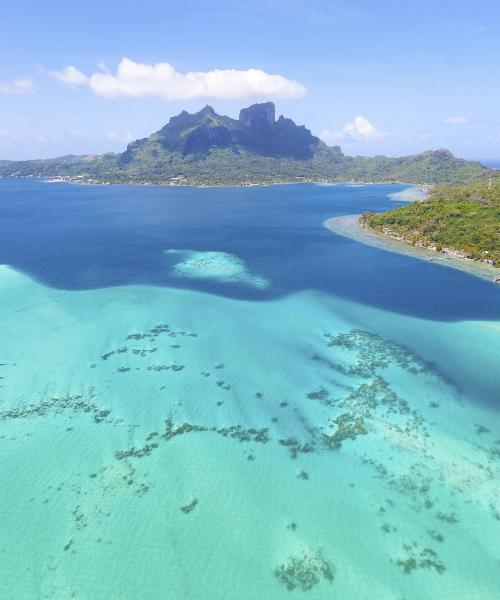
(77,237)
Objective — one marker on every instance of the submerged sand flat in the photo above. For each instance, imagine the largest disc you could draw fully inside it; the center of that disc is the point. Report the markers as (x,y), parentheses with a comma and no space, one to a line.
(167,443)
(411,194)
(348,226)
(216,266)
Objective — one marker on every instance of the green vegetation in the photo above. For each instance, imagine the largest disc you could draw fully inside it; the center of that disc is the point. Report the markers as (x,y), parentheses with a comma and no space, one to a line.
(461,219)
(205,148)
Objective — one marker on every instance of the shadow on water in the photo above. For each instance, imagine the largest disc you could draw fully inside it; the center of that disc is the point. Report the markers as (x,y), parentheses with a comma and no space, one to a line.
(85,237)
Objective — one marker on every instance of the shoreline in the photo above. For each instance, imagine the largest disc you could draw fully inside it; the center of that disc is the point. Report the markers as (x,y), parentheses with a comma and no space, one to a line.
(77,180)
(350,227)
(416,193)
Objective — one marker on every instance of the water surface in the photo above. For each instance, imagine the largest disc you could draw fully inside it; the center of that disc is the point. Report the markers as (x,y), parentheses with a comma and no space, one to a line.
(206,394)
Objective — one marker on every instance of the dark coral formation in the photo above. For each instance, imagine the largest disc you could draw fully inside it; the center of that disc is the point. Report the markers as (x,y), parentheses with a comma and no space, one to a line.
(374,352)
(236,432)
(420,559)
(173,367)
(57,405)
(189,507)
(295,447)
(306,571)
(348,426)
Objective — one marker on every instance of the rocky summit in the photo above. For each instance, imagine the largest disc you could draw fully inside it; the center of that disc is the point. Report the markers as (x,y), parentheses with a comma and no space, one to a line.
(256,131)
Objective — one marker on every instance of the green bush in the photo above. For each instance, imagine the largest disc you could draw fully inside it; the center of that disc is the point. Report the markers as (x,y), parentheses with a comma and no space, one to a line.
(464,217)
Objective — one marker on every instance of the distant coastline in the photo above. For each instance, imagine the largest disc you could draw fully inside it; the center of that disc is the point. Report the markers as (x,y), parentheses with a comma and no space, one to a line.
(206,148)
(350,226)
(415,192)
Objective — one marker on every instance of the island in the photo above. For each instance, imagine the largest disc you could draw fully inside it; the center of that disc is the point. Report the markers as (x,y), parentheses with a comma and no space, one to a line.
(205,148)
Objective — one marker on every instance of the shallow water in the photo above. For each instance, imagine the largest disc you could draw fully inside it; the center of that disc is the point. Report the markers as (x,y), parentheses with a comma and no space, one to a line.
(206,394)
(349,226)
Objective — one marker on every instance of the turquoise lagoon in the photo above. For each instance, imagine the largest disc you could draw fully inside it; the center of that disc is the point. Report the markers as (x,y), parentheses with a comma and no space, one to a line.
(204,394)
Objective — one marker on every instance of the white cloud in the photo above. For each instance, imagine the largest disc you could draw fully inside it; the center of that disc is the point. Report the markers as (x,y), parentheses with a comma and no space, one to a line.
(358,131)
(3,132)
(69,76)
(161,80)
(18,87)
(456,120)
(126,137)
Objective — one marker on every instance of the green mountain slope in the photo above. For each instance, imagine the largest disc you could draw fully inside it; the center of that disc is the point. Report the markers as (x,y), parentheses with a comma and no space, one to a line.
(207,148)
(461,219)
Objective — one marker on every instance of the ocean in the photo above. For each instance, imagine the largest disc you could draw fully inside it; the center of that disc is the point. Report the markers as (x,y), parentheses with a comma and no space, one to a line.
(205,394)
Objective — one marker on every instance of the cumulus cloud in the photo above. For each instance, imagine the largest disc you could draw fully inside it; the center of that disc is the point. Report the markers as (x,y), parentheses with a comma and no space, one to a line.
(70,76)
(18,86)
(161,80)
(456,120)
(358,131)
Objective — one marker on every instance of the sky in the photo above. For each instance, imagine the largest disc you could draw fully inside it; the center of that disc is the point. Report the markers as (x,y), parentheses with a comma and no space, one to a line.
(376,77)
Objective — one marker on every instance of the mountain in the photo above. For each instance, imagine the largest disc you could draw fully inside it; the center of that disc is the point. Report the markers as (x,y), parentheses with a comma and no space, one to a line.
(207,148)
(196,135)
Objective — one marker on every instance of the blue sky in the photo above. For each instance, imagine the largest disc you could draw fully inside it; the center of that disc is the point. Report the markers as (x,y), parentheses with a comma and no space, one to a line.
(392,77)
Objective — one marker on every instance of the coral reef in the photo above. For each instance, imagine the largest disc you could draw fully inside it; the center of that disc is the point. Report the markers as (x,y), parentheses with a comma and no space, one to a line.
(306,571)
